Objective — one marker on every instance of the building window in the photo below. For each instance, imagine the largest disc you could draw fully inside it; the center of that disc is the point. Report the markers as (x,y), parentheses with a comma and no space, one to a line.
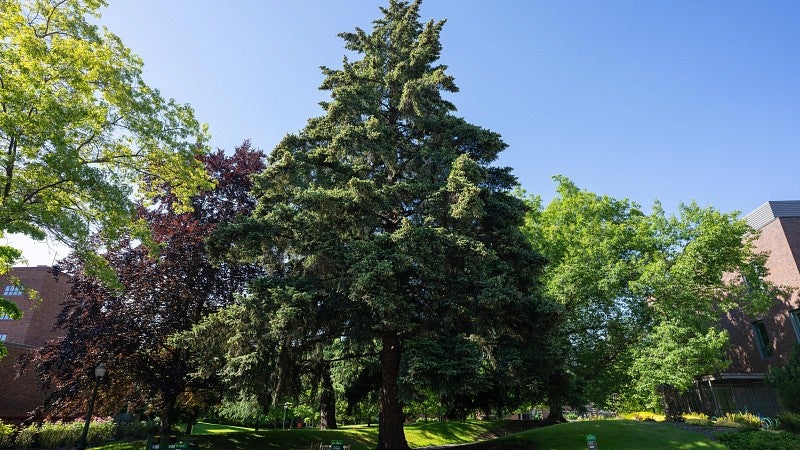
(3,337)
(12,290)
(762,339)
(794,315)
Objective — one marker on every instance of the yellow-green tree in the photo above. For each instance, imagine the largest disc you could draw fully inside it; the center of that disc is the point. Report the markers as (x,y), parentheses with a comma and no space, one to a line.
(81,134)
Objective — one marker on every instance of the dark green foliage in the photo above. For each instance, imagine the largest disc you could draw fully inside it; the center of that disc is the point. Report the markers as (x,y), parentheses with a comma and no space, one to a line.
(789,421)
(785,380)
(760,440)
(384,225)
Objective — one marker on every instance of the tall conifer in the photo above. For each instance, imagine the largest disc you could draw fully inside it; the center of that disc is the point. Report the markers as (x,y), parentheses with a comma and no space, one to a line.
(383,221)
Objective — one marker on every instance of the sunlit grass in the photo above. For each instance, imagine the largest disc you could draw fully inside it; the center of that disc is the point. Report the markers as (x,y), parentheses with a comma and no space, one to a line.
(611,435)
(615,435)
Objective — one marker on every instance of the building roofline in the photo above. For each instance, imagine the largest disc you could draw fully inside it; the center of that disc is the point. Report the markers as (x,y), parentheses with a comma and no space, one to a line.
(769,211)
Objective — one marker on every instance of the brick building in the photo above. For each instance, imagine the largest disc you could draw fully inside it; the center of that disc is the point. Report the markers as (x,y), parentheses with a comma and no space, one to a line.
(761,342)
(20,395)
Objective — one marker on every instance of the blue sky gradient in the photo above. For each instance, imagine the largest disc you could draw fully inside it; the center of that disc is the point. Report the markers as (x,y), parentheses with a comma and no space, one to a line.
(669,100)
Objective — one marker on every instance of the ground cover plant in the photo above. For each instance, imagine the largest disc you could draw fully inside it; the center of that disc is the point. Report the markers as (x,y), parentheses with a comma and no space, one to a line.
(761,440)
(55,434)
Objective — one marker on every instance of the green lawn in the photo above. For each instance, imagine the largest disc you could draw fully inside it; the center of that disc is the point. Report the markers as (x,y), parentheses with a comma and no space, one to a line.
(611,434)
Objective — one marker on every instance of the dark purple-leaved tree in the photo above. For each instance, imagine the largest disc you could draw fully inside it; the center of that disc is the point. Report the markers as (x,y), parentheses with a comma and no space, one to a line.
(160,292)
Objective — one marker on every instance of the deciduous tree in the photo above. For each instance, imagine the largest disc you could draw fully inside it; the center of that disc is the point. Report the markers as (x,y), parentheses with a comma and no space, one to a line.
(81,134)
(595,249)
(161,294)
(642,294)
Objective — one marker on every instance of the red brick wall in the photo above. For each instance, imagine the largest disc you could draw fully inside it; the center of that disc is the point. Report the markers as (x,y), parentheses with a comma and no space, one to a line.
(781,238)
(18,396)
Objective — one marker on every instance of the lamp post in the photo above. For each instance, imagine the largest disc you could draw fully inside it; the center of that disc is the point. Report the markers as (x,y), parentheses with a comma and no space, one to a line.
(285,407)
(99,373)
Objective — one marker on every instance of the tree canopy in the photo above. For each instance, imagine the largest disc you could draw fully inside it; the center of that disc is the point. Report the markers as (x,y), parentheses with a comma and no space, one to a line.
(129,330)
(642,294)
(82,134)
(383,223)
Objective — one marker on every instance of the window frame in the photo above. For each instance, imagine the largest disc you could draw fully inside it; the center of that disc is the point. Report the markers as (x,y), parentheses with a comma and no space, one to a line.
(11,290)
(761,337)
(794,317)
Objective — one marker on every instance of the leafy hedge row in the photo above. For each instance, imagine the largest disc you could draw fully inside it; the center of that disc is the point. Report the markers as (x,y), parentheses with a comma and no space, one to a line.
(55,434)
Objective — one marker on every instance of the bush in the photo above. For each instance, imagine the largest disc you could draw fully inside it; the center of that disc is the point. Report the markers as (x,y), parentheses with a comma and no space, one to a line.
(790,422)
(743,421)
(784,379)
(760,440)
(134,430)
(100,431)
(58,434)
(24,437)
(643,416)
(696,419)
(6,435)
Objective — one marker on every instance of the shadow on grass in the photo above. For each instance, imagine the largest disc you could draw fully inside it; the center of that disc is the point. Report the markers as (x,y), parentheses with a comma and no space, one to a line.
(360,439)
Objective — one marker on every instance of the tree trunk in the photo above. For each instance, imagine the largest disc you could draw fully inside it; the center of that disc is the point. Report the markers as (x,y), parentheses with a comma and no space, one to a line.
(390,422)
(192,417)
(166,419)
(555,396)
(327,400)
(671,400)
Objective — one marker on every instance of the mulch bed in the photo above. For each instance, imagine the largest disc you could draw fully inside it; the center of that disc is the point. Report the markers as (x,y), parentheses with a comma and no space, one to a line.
(711,432)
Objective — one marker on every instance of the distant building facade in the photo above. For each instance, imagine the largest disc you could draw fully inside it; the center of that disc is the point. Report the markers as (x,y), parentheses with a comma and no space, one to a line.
(21,395)
(763,341)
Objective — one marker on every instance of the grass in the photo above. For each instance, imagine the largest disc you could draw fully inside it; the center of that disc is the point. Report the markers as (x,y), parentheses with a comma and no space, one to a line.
(611,434)
(442,433)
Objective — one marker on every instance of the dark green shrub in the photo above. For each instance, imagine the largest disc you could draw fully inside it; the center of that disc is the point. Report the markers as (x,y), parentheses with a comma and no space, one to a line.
(134,429)
(760,440)
(784,379)
(790,422)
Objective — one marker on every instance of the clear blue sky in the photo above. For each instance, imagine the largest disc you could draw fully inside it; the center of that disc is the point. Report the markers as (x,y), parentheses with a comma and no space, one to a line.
(669,100)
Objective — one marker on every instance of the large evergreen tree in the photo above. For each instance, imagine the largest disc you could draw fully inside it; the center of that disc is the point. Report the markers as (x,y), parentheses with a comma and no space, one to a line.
(383,222)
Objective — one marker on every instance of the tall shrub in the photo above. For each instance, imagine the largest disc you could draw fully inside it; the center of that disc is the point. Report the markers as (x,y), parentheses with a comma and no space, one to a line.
(785,380)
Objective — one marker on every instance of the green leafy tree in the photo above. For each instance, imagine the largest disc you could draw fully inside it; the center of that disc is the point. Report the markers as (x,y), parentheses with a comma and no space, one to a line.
(81,134)
(701,264)
(383,221)
(642,294)
(595,250)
